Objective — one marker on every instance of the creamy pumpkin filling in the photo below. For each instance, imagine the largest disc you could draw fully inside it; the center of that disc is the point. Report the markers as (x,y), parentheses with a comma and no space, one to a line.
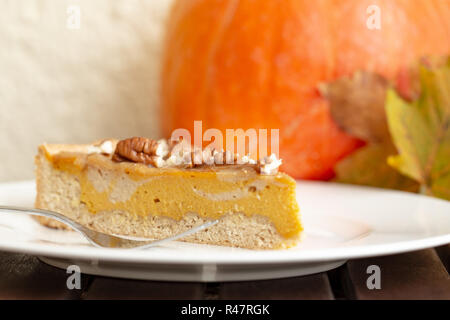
(143,192)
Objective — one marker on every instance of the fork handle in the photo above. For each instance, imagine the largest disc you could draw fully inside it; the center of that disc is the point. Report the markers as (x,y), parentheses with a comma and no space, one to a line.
(42,213)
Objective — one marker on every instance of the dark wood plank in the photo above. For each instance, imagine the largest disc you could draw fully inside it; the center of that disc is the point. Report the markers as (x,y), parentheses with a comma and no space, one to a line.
(313,287)
(114,288)
(414,275)
(336,278)
(444,254)
(26,277)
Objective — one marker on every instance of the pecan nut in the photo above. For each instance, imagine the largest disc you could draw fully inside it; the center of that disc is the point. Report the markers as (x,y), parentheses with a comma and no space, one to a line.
(136,149)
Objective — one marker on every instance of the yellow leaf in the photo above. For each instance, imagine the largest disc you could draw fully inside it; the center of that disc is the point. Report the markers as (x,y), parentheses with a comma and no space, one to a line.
(421,132)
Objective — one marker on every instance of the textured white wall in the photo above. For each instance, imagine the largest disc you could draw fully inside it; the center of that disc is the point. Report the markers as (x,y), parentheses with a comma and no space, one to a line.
(64,85)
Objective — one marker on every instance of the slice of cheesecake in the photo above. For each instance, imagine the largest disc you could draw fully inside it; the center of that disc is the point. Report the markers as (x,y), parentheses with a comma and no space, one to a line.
(146,188)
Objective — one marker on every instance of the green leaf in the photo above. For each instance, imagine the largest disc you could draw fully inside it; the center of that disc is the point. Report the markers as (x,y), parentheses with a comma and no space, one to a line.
(368,166)
(421,132)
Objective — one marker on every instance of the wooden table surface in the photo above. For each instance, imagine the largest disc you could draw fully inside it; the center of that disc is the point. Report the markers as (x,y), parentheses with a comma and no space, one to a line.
(416,275)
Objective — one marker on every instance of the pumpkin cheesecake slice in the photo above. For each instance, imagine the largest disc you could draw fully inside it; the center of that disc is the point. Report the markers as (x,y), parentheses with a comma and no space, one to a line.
(154,189)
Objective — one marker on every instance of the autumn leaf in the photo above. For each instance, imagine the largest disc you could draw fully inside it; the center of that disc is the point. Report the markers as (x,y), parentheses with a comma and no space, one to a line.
(421,132)
(368,166)
(357,105)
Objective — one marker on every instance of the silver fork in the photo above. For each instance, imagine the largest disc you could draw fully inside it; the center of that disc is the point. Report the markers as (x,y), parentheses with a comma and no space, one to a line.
(103,240)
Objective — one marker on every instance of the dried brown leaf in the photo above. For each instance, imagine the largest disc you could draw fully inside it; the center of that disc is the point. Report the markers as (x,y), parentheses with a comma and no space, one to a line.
(357,105)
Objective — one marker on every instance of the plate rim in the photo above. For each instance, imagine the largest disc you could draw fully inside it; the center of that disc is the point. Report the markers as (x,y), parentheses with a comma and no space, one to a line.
(320,255)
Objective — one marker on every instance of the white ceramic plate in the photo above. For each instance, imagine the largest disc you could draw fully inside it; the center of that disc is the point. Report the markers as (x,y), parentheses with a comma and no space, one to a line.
(341,222)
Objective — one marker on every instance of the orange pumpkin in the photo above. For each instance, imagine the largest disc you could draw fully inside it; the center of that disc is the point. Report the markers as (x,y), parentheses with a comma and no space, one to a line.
(257,64)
